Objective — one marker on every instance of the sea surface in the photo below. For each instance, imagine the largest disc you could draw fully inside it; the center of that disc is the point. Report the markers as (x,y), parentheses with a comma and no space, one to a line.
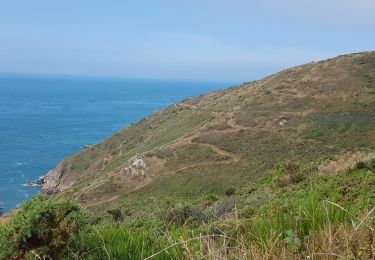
(45,119)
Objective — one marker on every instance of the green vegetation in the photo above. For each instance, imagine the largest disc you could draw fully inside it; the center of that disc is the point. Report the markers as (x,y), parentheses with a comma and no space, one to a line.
(193,154)
(280,168)
(207,144)
(332,127)
(42,227)
(263,220)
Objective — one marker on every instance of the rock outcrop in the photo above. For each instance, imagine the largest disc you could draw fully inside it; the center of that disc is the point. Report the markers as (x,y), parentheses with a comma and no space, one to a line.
(137,167)
(52,180)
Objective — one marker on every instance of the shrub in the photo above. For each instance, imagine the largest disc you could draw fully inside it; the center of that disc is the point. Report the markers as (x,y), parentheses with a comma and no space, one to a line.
(223,208)
(230,191)
(211,198)
(179,214)
(297,177)
(289,174)
(208,200)
(42,226)
(361,165)
(292,240)
(291,168)
(118,214)
(246,212)
(286,180)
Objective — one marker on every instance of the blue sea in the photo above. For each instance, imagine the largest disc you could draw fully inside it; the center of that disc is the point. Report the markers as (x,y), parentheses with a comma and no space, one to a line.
(45,119)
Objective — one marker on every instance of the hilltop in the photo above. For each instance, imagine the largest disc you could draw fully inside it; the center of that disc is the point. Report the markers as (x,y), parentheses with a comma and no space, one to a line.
(207,144)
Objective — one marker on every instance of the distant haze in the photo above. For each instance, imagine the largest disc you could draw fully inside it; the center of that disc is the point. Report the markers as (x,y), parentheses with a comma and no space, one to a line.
(194,39)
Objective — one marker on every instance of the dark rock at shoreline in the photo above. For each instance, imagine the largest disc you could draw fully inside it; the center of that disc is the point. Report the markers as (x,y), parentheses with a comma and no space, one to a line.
(36,183)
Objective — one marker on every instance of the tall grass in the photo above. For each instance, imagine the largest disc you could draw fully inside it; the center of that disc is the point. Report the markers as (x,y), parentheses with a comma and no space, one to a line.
(322,216)
(310,214)
(302,231)
(108,241)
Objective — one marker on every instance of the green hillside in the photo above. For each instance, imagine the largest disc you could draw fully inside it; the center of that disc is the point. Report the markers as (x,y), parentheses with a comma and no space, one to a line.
(229,138)
(279,168)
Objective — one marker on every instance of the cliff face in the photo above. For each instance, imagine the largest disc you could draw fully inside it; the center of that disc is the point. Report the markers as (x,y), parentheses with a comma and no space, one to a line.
(53,180)
(230,137)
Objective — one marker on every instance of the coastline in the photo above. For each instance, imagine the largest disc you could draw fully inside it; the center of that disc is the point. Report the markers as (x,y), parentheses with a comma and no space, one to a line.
(62,120)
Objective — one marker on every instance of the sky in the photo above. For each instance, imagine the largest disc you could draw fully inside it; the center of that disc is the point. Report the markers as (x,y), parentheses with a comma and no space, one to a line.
(232,40)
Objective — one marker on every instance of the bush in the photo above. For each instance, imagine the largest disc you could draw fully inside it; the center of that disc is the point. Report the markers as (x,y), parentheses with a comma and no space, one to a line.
(230,191)
(361,165)
(367,163)
(209,200)
(223,208)
(43,226)
(291,168)
(179,214)
(289,174)
(118,214)
(246,212)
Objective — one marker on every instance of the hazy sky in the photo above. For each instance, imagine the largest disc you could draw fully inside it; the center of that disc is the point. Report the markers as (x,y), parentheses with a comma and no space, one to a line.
(233,40)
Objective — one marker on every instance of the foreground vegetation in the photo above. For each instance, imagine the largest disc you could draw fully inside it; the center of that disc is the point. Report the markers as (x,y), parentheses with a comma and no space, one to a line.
(319,210)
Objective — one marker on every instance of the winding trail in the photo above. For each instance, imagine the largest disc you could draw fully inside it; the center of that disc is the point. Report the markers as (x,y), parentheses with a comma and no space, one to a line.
(188,140)
(149,180)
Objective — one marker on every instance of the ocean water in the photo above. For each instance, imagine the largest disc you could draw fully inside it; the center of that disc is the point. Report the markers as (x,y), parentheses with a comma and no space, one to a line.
(43,120)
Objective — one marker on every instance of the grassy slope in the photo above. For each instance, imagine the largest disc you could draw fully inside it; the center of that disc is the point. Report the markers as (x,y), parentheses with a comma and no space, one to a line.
(303,189)
(230,138)
(321,210)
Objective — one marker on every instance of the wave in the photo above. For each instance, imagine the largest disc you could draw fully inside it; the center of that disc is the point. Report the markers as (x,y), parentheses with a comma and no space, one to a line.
(20,163)
(31,184)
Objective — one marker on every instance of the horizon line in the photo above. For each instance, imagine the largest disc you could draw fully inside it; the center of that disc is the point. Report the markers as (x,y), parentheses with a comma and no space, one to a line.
(106,77)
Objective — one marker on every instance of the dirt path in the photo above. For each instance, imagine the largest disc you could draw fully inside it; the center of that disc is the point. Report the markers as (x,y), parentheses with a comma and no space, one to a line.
(188,140)
(231,122)
(117,196)
(235,157)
